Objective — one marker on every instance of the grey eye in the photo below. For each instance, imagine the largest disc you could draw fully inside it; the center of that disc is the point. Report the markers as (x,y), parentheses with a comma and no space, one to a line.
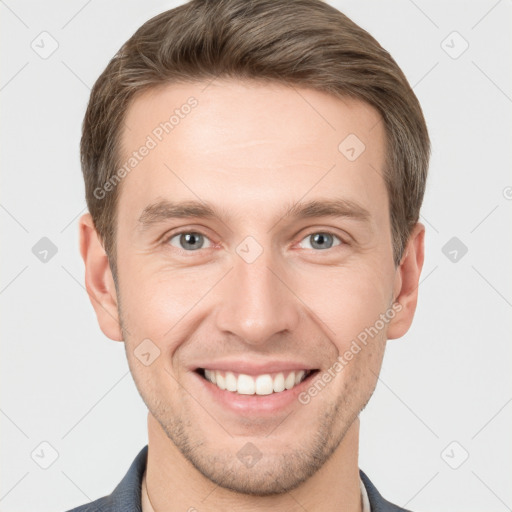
(189,241)
(321,240)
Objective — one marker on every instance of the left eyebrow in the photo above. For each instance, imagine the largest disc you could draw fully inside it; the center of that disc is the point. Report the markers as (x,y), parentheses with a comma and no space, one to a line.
(328,208)
(164,210)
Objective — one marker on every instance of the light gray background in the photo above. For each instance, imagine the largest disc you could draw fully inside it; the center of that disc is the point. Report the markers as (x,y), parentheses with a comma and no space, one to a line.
(449,379)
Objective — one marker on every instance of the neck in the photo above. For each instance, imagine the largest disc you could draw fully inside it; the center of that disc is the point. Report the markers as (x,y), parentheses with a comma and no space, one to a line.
(173,483)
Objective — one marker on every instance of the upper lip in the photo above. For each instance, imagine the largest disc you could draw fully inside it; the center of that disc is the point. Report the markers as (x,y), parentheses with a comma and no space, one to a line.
(252,368)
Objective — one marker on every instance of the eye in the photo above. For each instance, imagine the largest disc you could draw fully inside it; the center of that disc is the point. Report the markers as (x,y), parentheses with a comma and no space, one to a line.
(188,241)
(321,240)
(191,241)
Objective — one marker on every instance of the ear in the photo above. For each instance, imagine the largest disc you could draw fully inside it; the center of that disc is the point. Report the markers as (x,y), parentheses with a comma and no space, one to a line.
(407,277)
(99,281)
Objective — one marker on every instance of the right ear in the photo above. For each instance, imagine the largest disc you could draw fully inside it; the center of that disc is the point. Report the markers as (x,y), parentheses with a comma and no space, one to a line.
(99,281)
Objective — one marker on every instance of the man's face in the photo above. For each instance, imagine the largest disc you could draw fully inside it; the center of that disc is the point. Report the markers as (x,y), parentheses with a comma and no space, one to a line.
(252,290)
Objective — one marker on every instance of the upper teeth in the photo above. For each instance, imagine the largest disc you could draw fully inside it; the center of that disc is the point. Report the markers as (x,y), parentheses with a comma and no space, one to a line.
(259,385)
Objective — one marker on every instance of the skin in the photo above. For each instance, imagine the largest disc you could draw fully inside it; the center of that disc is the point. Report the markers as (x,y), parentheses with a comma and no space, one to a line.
(251,149)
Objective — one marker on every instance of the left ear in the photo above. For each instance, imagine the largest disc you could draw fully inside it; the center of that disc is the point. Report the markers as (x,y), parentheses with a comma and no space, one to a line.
(407,278)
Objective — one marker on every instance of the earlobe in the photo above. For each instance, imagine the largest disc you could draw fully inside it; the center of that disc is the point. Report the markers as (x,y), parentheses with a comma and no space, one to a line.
(407,282)
(99,281)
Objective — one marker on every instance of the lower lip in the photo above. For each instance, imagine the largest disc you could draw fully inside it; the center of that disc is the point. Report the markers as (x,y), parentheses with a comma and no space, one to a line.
(255,404)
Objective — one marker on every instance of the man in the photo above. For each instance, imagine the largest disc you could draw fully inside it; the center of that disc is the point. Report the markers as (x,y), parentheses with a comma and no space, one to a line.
(254,173)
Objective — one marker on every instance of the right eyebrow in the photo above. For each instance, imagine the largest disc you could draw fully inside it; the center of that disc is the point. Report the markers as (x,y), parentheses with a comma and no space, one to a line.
(164,210)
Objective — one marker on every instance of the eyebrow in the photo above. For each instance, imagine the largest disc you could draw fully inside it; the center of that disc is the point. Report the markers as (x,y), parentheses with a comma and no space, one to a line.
(165,210)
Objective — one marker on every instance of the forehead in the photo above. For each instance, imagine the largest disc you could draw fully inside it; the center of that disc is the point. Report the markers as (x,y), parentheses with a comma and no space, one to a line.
(252,143)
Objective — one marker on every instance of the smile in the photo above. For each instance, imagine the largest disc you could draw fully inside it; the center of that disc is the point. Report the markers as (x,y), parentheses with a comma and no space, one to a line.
(264,384)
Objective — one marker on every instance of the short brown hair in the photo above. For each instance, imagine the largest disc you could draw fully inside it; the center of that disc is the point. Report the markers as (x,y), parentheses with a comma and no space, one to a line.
(305,43)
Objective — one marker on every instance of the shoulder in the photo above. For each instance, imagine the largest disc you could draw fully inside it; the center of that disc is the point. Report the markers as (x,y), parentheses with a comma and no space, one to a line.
(99,505)
(126,497)
(377,502)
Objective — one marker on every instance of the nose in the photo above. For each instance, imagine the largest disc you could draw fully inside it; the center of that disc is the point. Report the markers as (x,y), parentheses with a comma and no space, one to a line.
(256,302)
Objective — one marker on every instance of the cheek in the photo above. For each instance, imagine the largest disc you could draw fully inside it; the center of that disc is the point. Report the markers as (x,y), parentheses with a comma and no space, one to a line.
(347,301)
(160,305)
(151,312)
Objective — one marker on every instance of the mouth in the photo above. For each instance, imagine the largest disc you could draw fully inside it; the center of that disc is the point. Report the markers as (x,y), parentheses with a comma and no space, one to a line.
(263,384)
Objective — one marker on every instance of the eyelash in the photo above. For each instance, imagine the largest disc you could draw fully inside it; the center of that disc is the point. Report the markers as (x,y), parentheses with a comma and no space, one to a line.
(168,238)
